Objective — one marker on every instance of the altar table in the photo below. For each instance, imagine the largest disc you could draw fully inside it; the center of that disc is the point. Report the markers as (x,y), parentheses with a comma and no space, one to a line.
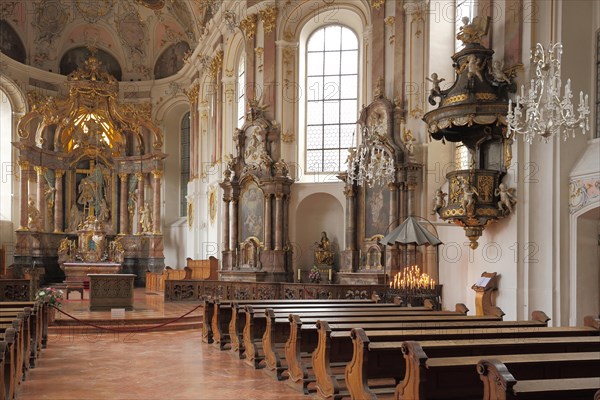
(111,291)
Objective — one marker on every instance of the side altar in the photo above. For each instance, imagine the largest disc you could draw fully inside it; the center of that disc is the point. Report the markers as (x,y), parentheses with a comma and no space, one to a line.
(90,169)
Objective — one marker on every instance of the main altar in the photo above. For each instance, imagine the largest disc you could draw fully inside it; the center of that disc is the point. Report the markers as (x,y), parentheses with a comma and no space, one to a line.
(91,174)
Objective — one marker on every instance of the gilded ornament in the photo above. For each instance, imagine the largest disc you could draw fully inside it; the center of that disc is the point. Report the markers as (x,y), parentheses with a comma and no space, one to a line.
(376,4)
(248,25)
(192,94)
(485,184)
(475,31)
(216,63)
(268,17)
(288,137)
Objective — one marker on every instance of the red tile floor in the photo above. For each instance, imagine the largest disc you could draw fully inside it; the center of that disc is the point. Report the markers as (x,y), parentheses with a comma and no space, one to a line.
(156,365)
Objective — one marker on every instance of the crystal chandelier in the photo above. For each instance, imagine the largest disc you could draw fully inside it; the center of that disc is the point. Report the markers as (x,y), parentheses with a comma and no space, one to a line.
(371,163)
(545,112)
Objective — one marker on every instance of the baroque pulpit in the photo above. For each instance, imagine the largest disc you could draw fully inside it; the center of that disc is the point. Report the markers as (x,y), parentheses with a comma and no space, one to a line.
(256,190)
(95,162)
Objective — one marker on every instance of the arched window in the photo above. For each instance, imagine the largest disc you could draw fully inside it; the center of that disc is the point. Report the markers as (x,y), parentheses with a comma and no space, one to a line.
(332,97)
(241,84)
(185,164)
(6,171)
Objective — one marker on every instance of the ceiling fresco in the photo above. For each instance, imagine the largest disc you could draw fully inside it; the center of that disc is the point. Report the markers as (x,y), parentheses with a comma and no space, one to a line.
(139,37)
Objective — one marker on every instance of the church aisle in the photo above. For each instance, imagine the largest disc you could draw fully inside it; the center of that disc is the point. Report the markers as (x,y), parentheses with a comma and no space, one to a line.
(159,365)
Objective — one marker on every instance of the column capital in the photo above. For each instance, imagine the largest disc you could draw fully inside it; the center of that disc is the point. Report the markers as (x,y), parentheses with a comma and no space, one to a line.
(279,196)
(267,196)
(157,174)
(393,186)
(349,191)
(58,173)
(23,164)
(40,170)
(123,176)
(139,175)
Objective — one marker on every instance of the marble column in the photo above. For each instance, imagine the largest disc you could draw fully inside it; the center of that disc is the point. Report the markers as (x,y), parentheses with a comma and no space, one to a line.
(58,201)
(157,175)
(286,221)
(393,220)
(402,203)
(24,165)
(140,198)
(350,218)
(234,224)
(123,204)
(278,221)
(40,203)
(268,225)
(226,224)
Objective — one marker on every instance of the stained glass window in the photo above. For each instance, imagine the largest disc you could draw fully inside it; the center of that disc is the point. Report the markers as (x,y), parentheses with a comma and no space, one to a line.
(185,164)
(332,97)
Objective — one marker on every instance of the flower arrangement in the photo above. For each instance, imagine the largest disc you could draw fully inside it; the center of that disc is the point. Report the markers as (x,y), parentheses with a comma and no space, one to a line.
(50,295)
(314,275)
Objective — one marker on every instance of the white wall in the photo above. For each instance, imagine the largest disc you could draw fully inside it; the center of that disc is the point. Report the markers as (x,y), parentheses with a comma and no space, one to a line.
(588,265)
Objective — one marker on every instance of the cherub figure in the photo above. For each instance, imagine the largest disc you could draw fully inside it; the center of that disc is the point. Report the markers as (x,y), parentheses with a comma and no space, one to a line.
(435,90)
(498,73)
(474,67)
(507,199)
(468,198)
(439,201)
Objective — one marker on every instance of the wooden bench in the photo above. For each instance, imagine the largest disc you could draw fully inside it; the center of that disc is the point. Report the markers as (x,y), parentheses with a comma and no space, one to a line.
(222,314)
(379,360)
(455,377)
(499,383)
(7,363)
(336,347)
(256,323)
(203,269)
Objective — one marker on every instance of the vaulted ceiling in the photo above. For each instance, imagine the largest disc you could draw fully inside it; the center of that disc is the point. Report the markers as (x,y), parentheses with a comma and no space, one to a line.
(134,39)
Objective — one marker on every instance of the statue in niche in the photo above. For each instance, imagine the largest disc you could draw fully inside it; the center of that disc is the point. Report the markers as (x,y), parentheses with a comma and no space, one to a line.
(323,253)
(66,250)
(507,199)
(34,218)
(254,149)
(93,189)
(116,252)
(408,140)
(146,218)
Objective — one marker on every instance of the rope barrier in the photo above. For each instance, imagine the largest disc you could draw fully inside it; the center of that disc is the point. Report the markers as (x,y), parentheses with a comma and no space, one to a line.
(128,330)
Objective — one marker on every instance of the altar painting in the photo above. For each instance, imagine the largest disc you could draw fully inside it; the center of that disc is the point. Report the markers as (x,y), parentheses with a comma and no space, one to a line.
(377,205)
(251,212)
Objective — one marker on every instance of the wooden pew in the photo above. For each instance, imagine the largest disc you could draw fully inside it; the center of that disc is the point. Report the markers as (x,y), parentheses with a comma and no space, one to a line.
(7,364)
(455,377)
(203,269)
(335,347)
(225,317)
(20,321)
(379,360)
(256,324)
(499,383)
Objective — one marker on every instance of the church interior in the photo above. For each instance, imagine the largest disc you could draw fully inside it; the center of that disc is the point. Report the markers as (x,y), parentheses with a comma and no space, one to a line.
(437,154)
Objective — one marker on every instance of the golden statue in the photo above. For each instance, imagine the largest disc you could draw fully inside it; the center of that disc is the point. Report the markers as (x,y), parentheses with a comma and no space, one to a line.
(146,218)
(323,253)
(34,218)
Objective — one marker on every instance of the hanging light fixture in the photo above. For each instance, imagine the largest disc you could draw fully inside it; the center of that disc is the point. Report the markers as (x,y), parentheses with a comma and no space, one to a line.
(372,162)
(540,111)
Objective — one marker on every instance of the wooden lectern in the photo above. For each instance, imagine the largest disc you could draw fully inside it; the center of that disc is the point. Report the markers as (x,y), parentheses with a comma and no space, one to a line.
(484,294)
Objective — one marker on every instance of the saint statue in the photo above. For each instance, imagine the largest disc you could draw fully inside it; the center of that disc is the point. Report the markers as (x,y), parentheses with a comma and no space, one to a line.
(34,218)
(323,253)
(146,218)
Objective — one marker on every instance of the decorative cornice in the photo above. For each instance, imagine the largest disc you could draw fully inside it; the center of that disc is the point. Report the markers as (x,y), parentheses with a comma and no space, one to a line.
(268,17)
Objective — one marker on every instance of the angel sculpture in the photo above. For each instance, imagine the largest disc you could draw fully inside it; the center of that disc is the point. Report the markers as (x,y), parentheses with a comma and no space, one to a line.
(436,90)
(474,67)
(468,198)
(498,73)
(439,201)
(507,198)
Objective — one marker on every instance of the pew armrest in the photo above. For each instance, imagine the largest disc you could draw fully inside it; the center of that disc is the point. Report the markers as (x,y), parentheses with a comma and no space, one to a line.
(540,316)
(591,321)
(498,383)
(460,308)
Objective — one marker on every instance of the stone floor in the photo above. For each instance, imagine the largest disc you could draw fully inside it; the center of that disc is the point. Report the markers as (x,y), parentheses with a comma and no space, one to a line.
(157,365)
